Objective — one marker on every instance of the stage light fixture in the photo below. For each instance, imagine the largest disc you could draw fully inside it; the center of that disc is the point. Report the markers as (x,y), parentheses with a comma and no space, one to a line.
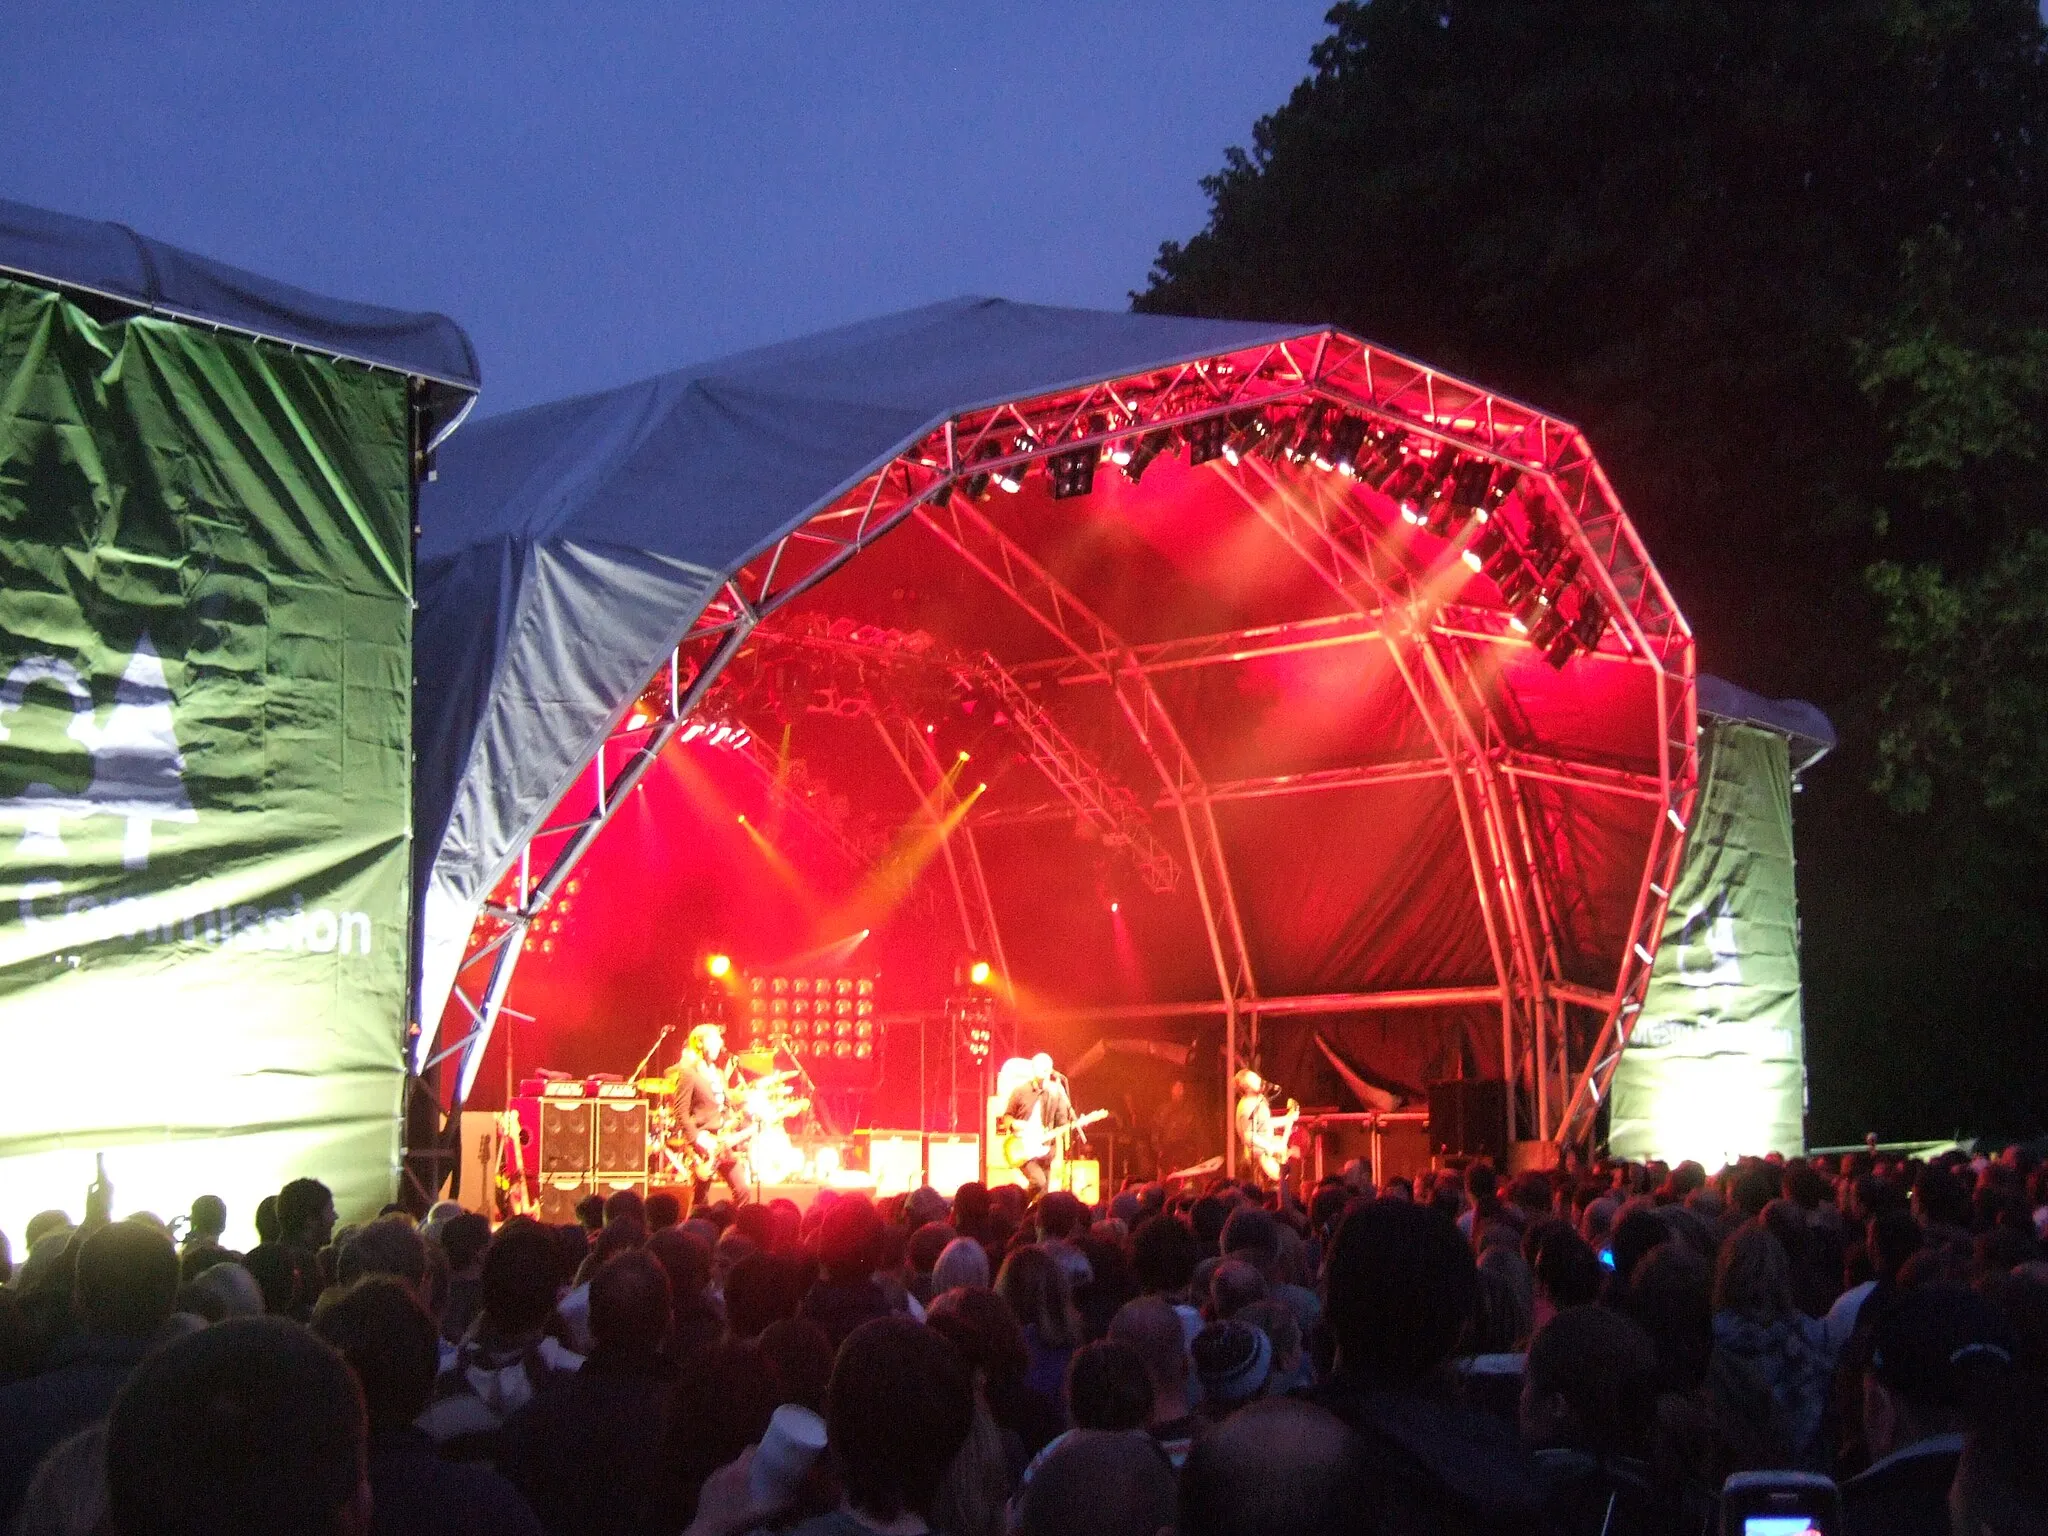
(1248,432)
(1315,435)
(1071,473)
(1277,439)
(1499,486)
(1561,649)
(1487,545)
(1120,451)
(979,972)
(718,967)
(1591,623)
(1347,442)
(1148,448)
(1469,486)
(1205,438)
(1381,457)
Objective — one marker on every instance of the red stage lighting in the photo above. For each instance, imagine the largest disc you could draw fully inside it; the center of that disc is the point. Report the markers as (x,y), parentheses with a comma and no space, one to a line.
(718,967)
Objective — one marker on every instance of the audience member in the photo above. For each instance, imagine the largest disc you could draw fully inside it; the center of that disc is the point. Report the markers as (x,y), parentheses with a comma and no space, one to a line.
(1588,1413)
(1151,1330)
(845,1294)
(1108,1387)
(392,1345)
(1932,1345)
(509,1354)
(220,1292)
(250,1428)
(964,1262)
(1036,1288)
(601,1427)
(125,1286)
(1757,1326)
(1279,1467)
(1098,1483)
(1400,1286)
(897,1412)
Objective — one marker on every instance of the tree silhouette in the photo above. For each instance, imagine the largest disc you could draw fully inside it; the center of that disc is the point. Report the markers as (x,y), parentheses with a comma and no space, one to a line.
(1786,261)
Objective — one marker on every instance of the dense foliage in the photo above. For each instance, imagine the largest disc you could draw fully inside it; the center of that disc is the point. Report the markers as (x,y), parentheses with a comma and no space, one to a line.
(1787,263)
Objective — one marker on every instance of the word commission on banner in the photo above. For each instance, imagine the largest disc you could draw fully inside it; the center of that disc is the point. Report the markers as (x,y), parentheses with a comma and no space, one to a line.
(138,775)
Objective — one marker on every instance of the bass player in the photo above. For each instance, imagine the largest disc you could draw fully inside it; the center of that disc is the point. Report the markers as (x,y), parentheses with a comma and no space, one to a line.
(705,1117)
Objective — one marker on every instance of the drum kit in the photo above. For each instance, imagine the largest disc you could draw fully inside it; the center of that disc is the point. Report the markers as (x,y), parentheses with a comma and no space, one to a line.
(762,1102)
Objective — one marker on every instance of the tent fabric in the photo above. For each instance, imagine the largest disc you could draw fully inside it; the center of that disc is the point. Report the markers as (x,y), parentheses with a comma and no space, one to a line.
(1809,734)
(113,261)
(566,548)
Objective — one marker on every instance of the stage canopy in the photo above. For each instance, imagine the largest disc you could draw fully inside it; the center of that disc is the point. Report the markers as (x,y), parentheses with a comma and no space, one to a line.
(1233,671)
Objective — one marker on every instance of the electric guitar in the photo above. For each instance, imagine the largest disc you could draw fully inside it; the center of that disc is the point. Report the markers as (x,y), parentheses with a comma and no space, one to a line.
(1268,1149)
(1028,1140)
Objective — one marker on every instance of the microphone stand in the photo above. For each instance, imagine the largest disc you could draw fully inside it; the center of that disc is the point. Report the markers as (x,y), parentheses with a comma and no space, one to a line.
(666,1031)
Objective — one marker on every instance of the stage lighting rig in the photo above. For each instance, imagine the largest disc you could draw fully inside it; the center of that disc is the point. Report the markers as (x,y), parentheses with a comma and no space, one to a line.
(1072,473)
(1205,438)
(1143,452)
(1248,432)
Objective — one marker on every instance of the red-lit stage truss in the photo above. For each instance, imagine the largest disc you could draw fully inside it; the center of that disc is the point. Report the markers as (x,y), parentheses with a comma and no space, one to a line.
(1298,431)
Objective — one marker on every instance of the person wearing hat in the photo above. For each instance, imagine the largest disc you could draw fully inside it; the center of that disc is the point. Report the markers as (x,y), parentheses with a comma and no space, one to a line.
(1933,1345)
(1233,1361)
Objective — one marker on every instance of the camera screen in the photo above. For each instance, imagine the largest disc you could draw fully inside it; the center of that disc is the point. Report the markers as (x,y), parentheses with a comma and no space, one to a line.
(1779,1525)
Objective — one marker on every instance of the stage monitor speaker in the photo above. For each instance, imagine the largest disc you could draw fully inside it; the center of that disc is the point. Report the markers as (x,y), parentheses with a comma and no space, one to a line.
(895,1160)
(622,1136)
(955,1160)
(1404,1151)
(567,1135)
(609,1184)
(1082,1178)
(559,1195)
(1469,1116)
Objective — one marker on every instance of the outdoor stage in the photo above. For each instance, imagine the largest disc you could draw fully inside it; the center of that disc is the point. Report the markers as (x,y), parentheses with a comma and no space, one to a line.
(1232,692)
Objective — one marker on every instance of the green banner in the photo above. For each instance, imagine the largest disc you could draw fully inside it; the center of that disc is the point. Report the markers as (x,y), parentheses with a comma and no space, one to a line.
(205,738)
(1716,1067)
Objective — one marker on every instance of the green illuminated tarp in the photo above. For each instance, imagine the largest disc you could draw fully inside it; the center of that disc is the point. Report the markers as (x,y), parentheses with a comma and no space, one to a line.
(205,729)
(1716,1066)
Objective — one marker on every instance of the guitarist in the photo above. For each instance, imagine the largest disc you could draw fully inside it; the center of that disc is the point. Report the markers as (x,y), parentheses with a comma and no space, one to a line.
(704,1113)
(1037,1108)
(1262,1134)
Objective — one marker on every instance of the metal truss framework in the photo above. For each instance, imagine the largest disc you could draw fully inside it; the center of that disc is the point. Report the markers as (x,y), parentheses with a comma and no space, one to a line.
(1324,523)
(1091,794)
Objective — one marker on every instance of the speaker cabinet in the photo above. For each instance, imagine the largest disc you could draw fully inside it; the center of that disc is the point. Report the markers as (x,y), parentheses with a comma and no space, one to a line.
(955,1160)
(1469,1116)
(622,1136)
(567,1135)
(559,1195)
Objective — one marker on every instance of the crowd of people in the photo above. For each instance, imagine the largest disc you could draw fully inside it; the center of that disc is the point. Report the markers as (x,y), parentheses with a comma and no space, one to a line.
(1592,1349)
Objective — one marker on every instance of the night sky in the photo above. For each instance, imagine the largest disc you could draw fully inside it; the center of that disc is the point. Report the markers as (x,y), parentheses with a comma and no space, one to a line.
(598,193)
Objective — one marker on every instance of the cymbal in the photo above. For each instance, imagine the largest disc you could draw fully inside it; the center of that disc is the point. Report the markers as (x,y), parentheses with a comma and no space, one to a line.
(658,1084)
(755,1061)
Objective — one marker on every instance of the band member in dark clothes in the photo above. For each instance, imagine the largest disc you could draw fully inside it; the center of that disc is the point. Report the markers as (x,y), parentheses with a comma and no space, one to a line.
(704,1113)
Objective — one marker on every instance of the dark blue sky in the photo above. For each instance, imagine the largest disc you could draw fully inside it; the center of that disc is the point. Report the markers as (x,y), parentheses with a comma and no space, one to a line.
(600,192)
